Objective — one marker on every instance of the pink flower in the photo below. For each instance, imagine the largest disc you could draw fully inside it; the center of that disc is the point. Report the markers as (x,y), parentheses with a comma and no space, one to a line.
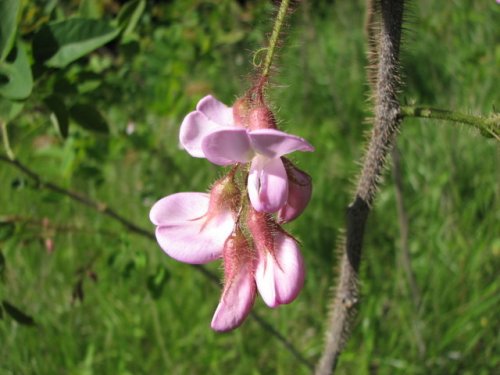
(273,266)
(212,132)
(239,285)
(280,268)
(299,192)
(193,227)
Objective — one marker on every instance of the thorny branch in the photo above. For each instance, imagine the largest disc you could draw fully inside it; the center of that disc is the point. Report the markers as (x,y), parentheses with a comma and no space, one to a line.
(104,209)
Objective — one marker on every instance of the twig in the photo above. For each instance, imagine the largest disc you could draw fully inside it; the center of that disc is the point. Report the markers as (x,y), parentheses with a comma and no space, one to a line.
(386,123)
(50,226)
(105,210)
(488,125)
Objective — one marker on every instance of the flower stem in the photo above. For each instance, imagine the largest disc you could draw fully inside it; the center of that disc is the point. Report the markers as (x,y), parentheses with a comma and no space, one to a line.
(278,24)
(488,126)
(6,143)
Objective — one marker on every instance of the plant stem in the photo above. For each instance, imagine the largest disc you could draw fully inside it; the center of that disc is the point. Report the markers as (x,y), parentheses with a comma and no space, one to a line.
(386,124)
(6,143)
(278,24)
(490,125)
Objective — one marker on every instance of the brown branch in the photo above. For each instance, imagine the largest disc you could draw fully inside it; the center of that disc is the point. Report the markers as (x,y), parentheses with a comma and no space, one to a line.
(104,209)
(386,123)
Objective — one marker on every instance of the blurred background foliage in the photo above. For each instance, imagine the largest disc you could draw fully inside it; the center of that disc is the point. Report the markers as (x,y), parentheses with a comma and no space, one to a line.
(93,93)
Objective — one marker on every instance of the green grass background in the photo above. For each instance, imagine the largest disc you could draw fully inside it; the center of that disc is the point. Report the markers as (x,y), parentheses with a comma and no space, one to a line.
(148,314)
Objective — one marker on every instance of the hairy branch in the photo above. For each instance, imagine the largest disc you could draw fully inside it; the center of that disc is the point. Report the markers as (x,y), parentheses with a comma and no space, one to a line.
(104,209)
(489,126)
(386,122)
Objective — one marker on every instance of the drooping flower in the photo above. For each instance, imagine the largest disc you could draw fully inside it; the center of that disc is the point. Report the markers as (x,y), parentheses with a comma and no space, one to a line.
(198,228)
(210,132)
(239,290)
(299,192)
(193,227)
(280,268)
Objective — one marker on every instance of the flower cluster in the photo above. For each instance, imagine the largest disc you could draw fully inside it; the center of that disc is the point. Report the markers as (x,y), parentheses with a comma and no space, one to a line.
(239,220)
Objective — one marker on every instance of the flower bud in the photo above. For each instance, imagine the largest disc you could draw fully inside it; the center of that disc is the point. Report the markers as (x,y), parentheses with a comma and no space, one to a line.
(299,192)
(261,117)
(224,194)
(240,112)
(239,285)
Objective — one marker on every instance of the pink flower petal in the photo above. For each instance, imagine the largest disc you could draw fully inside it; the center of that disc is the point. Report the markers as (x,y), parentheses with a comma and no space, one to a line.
(194,128)
(299,193)
(236,301)
(280,276)
(216,111)
(227,146)
(179,208)
(274,143)
(267,184)
(198,241)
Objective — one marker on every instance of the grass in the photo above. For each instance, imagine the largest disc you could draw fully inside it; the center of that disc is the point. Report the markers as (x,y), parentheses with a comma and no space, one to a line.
(147,314)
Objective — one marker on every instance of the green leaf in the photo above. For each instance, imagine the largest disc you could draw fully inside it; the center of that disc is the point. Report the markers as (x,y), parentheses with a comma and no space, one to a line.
(9,109)
(88,117)
(8,25)
(17,314)
(90,9)
(60,43)
(59,116)
(16,80)
(129,16)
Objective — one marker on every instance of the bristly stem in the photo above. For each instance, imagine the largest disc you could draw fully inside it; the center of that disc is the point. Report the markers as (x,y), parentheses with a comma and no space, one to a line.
(385,126)
(487,125)
(273,41)
(6,143)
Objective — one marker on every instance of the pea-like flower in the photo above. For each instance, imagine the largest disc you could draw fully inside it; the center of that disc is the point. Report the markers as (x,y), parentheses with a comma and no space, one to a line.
(212,132)
(193,227)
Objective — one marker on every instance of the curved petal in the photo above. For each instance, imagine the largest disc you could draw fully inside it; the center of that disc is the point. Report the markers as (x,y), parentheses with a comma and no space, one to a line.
(274,143)
(236,301)
(178,208)
(215,110)
(197,241)
(267,184)
(280,276)
(194,128)
(227,146)
(299,193)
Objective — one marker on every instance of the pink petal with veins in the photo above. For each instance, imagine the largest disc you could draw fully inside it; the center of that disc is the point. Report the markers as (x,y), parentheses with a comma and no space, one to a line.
(187,231)
(216,111)
(274,143)
(179,208)
(227,146)
(194,128)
